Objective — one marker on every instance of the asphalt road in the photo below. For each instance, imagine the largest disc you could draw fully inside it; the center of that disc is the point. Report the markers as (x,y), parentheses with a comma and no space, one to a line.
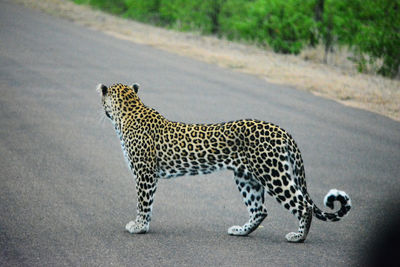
(66,193)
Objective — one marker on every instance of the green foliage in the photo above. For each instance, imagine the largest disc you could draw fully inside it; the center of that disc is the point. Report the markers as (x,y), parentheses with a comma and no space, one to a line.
(286,26)
(114,7)
(187,15)
(145,11)
(379,34)
(370,27)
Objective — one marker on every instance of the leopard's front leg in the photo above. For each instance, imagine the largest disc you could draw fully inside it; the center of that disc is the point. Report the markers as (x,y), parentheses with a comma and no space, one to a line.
(146,185)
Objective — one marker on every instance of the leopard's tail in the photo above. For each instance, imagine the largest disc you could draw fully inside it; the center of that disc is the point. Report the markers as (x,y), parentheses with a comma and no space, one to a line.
(332,196)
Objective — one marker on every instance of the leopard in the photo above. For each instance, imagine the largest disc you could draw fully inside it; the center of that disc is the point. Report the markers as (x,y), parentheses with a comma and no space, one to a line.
(264,158)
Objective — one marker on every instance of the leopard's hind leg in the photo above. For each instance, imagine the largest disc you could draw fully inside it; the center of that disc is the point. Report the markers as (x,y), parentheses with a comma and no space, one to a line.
(253,197)
(304,226)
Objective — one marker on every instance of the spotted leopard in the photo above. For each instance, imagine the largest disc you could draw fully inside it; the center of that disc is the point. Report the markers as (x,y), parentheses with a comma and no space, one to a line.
(262,156)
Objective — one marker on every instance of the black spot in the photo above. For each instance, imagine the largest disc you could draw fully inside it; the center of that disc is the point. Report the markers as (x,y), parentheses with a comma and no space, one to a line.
(226,151)
(274,173)
(319,216)
(211,158)
(285,180)
(277,182)
(330,216)
(280,167)
(265,168)
(341,199)
(278,190)
(275,162)
(331,198)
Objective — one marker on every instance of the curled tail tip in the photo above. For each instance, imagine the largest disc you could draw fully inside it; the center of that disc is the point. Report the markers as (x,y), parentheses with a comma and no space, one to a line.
(337,195)
(332,196)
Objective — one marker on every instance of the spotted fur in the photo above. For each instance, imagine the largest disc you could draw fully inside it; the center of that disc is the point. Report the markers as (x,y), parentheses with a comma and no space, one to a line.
(262,156)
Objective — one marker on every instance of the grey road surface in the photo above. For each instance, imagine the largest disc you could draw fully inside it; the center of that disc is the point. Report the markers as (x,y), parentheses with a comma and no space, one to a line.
(66,192)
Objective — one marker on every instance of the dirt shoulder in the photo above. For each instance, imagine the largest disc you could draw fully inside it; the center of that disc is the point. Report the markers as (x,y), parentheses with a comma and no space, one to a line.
(339,82)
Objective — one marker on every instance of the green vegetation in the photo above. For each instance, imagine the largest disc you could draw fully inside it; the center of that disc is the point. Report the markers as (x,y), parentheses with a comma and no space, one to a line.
(371,28)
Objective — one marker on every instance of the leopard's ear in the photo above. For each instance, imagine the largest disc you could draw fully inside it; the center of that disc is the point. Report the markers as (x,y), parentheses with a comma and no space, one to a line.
(135,87)
(102,88)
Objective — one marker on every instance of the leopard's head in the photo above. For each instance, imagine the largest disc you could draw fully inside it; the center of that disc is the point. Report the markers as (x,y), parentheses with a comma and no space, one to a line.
(117,98)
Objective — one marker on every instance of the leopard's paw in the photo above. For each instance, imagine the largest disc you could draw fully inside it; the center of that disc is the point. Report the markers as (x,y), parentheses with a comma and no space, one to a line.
(134,227)
(294,237)
(236,230)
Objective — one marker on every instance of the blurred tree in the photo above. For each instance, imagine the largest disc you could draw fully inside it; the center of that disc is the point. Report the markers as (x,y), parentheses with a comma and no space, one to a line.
(378,35)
